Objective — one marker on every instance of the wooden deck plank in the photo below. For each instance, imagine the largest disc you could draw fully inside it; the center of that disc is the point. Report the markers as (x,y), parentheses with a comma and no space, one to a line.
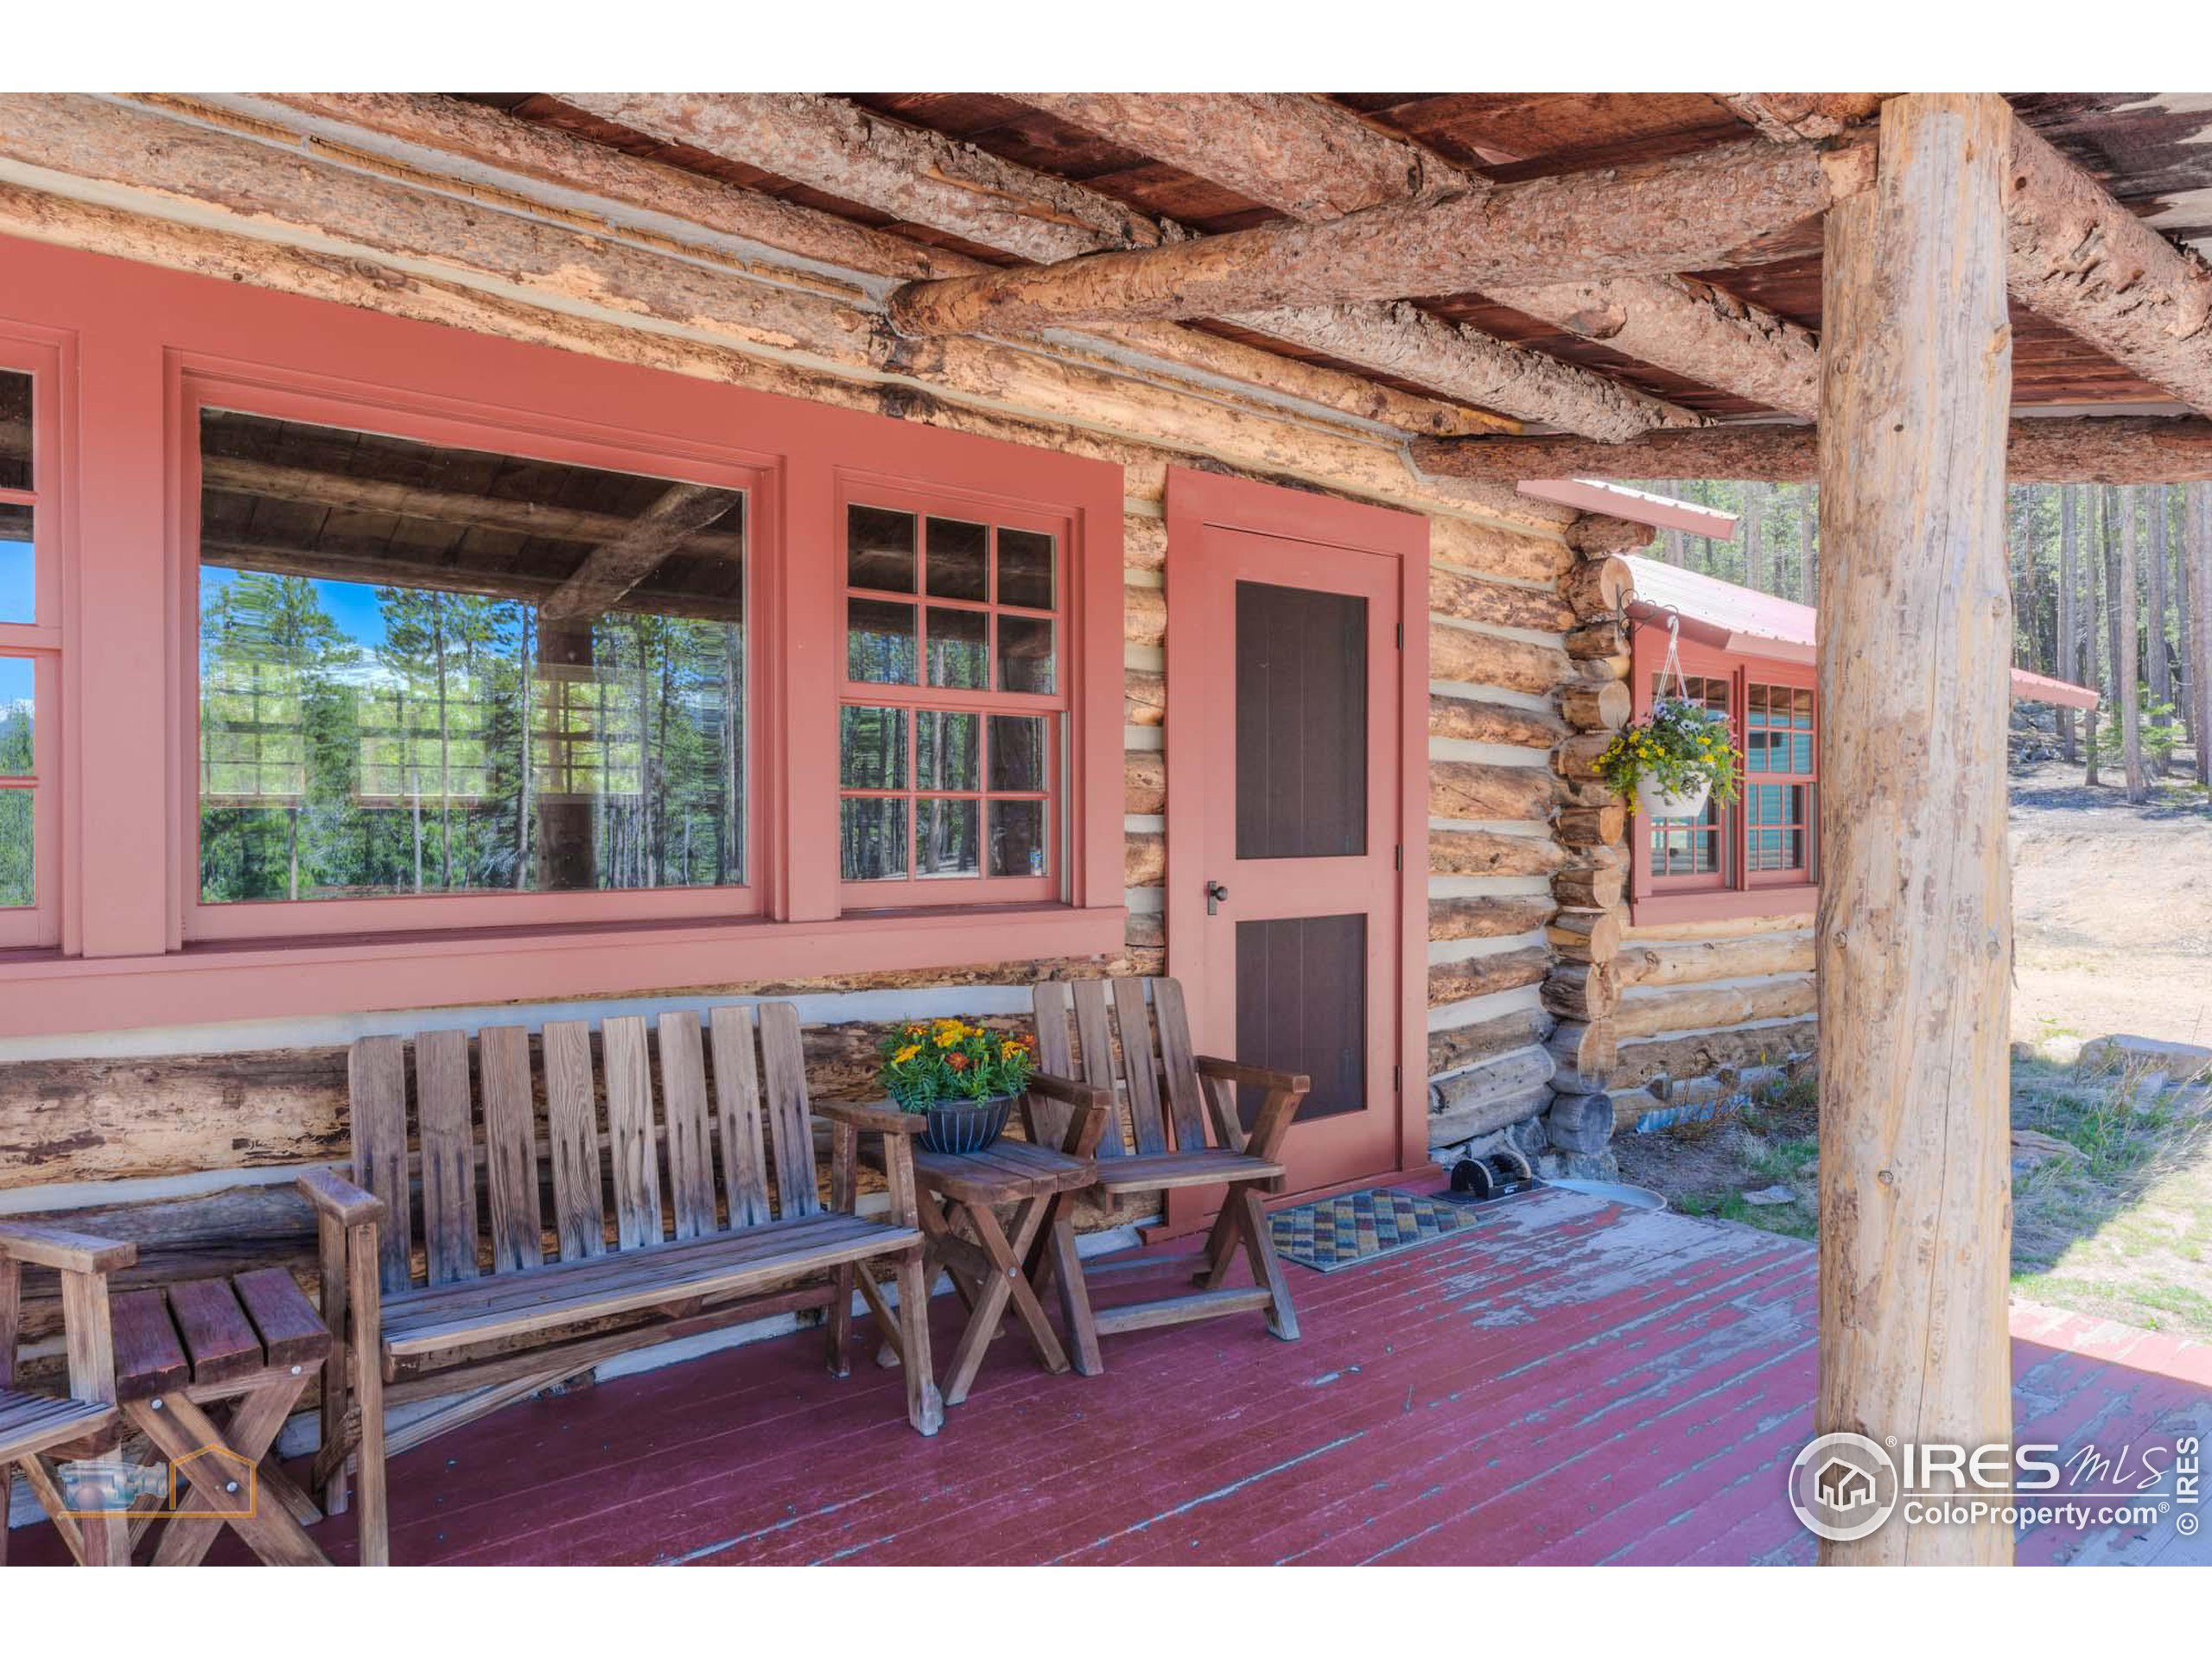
(1561,1382)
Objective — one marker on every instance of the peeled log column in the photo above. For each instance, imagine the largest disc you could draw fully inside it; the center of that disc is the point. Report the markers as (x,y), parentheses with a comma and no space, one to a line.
(1597,705)
(1601,638)
(1473,788)
(1474,721)
(1487,919)
(1914,924)
(1144,781)
(1501,970)
(1461,654)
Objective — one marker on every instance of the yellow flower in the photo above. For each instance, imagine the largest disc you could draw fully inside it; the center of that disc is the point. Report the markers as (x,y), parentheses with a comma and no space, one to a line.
(949,1039)
(906,1053)
(1009,1048)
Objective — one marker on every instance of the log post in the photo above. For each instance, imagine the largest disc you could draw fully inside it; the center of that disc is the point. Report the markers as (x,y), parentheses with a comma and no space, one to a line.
(1914,925)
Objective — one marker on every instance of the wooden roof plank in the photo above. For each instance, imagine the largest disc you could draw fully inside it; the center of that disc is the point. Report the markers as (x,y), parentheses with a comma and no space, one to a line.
(924,175)
(1315,160)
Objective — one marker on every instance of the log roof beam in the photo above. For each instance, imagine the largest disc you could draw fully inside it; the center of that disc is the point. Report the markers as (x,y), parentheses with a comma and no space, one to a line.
(927,179)
(2047,450)
(1316,160)
(569,172)
(613,568)
(1690,213)
(2074,254)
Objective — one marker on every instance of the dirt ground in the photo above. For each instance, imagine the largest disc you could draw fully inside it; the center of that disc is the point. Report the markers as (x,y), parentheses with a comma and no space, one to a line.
(2112,910)
(2112,1166)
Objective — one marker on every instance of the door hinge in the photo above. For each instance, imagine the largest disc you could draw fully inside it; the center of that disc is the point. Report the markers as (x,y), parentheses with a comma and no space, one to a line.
(1401,636)
(1398,1078)
(1398,857)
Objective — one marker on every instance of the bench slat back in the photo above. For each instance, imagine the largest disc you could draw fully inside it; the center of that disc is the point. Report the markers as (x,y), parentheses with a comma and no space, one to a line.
(464,1158)
(1104,1010)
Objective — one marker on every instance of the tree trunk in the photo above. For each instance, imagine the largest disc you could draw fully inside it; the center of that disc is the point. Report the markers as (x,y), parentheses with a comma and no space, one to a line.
(526,671)
(2068,663)
(2155,664)
(1674,544)
(2199,526)
(1755,536)
(1915,920)
(445,747)
(2126,655)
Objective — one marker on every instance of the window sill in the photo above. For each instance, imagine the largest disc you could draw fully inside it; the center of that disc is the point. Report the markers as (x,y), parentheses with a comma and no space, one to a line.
(44,993)
(1661,908)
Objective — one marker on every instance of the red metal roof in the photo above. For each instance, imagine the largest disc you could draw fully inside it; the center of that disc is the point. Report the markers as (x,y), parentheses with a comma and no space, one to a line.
(1729,618)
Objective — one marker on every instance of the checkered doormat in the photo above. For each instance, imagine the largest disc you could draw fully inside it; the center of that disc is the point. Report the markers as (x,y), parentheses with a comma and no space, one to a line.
(1333,1233)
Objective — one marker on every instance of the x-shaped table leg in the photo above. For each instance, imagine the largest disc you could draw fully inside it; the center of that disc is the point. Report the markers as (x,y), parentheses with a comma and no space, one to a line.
(1007,1283)
(223,1477)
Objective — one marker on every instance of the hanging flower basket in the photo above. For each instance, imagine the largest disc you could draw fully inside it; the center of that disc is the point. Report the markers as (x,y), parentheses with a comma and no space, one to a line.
(1655,800)
(1670,763)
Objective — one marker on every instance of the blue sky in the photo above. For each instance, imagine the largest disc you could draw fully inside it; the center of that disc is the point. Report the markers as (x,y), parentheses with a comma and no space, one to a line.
(352,604)
(16,568)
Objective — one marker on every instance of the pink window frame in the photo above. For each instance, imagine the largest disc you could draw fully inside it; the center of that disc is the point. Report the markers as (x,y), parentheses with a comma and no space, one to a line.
(139,348)
(279,397)
(1737,891)
(41,355)
(912,891)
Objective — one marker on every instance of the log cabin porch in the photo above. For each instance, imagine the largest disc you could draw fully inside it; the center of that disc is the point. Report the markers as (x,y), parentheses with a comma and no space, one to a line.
(1562,1382)
(896,409)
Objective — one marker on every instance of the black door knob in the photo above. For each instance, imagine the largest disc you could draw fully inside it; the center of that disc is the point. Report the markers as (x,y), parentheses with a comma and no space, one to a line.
(1216,894)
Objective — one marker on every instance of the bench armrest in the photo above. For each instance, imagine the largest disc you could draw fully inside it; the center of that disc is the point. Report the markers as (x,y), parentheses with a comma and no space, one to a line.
(1091,1109)
(52,1247)
(1253,1077)
(332,1195)
(870,1120)
(1272,1122)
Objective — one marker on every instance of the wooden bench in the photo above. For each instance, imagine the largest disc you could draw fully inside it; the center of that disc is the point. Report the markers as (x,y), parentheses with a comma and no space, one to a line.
(519,1286)
(1170,1093)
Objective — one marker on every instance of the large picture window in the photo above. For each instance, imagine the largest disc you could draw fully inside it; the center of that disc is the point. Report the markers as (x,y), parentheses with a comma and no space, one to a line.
(951,733)
(428,670)
(1762,852)
(29,636)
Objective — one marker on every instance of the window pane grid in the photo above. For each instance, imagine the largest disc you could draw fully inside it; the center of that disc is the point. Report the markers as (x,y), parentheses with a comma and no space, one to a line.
(946,769)
(1770,836)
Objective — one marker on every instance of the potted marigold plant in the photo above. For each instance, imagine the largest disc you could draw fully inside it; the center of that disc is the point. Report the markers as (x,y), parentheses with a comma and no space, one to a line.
(1669,763)
(961,1078)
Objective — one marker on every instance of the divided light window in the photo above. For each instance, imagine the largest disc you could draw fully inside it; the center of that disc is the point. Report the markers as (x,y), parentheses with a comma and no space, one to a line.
(429,670)
(953,717)
(29,641)
(1769,837)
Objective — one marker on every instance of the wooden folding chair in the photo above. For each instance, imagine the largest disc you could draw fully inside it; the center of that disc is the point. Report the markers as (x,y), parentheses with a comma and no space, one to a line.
(1168,1094)
(38,1428)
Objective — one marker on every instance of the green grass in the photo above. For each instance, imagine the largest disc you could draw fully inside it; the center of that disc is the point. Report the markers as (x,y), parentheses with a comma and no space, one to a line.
(2121,1229)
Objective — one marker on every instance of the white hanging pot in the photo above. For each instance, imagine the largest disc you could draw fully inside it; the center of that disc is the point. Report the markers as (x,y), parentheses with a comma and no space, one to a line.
(1655,800)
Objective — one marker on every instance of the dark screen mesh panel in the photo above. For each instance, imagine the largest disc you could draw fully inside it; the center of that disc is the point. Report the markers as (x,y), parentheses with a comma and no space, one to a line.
(1301,1006)
(1301,723)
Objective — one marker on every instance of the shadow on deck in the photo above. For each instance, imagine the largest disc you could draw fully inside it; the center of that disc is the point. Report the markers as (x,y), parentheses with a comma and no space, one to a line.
(1562,1382)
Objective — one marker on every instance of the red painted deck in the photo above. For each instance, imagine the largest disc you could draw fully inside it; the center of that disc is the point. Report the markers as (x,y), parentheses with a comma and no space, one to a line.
(1563,1382)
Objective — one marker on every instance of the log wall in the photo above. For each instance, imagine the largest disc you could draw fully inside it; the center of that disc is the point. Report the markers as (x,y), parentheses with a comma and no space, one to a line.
(187,1138)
